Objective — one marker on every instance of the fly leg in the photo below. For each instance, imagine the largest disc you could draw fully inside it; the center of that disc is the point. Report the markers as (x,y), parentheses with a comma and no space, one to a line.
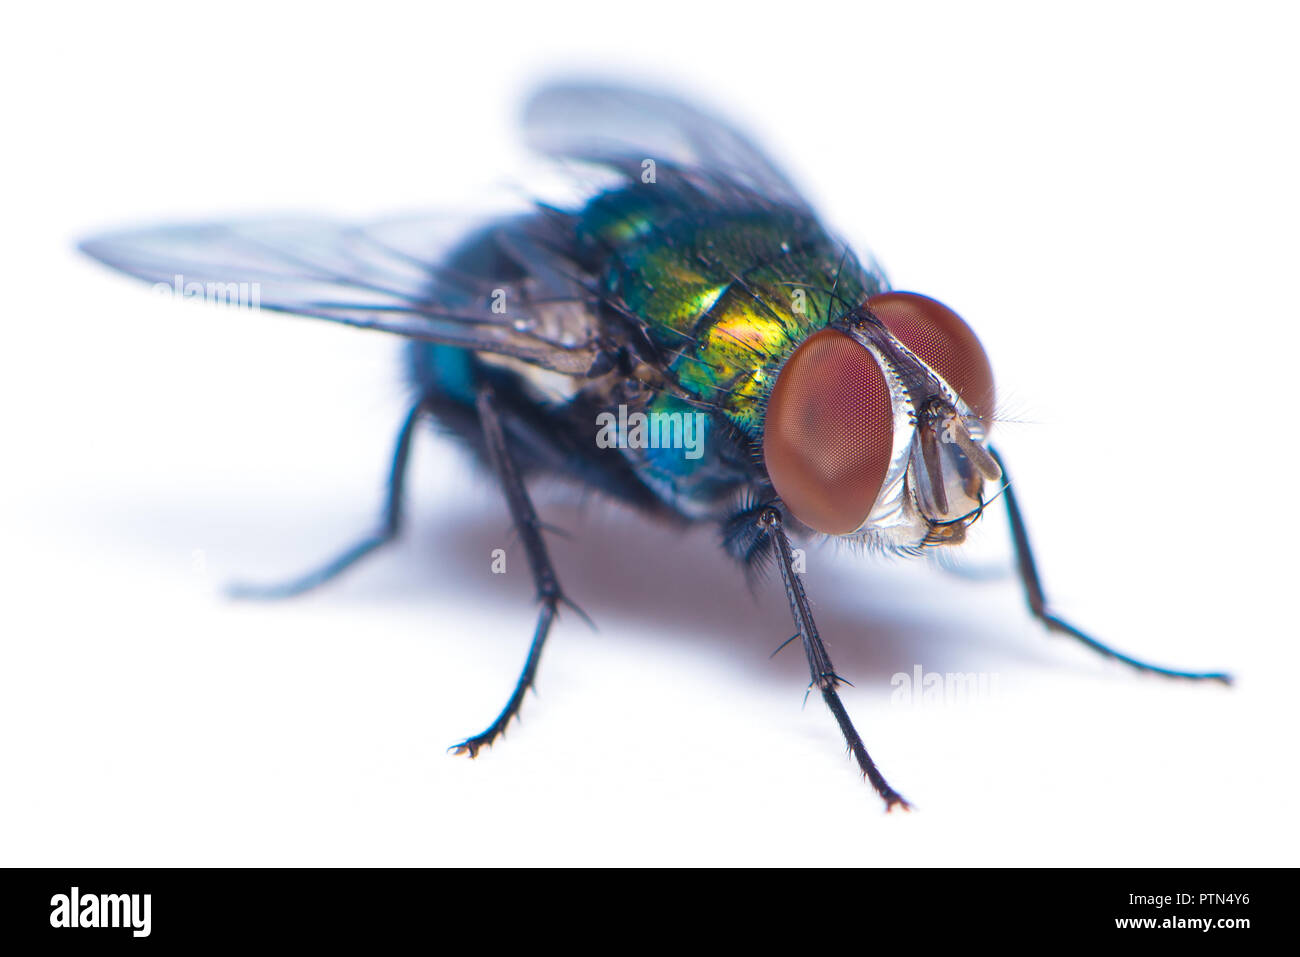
(530,533)
(392,523)
(824,678)
(1038,601)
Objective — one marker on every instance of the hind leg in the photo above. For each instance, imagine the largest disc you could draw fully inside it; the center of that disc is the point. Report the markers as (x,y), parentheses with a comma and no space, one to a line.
(392,523)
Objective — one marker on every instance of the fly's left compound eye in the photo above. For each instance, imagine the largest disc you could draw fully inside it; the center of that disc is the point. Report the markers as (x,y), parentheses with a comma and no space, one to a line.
(942,341)
(829,432)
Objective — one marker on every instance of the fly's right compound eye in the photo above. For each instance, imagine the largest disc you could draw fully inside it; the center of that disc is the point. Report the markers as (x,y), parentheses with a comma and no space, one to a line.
(828,435)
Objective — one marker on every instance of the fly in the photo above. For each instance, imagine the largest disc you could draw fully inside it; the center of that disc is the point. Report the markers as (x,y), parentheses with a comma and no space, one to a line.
(689,340)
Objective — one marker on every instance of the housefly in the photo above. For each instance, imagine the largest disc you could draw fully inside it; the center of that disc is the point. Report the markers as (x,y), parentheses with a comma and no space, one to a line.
(687,339)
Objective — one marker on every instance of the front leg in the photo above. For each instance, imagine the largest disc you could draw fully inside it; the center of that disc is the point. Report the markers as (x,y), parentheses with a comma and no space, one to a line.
(824,678)
(1037,600)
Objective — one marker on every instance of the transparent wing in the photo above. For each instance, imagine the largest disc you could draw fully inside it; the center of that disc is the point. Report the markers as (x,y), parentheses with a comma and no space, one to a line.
(388,276)
(619,125)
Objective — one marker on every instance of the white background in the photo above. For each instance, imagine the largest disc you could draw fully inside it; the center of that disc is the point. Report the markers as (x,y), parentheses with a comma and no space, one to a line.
(1109,198)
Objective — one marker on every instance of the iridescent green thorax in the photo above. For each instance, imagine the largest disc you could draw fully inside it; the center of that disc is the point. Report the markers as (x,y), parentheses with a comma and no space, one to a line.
(725,293)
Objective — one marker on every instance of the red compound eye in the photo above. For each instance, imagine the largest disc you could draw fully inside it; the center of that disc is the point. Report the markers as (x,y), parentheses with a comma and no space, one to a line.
(829,432)
(943,342)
